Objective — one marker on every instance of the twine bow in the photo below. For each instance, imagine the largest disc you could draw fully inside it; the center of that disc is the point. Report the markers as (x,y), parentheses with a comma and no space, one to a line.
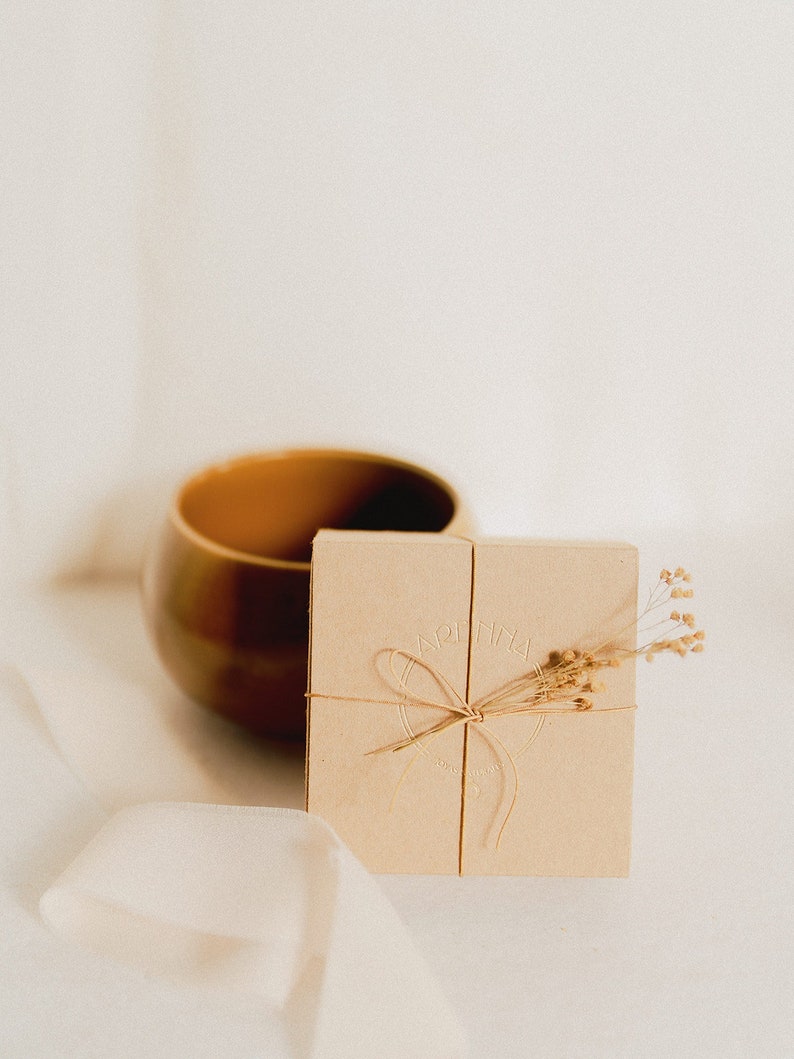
(525,695)
(528,694)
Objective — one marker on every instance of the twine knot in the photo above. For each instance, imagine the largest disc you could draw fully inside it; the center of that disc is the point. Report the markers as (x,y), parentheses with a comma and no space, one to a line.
(528,695)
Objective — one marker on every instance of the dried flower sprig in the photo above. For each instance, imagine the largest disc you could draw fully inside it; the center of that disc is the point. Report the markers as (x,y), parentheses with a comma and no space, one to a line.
(563,685)
(569,678)
(670,586)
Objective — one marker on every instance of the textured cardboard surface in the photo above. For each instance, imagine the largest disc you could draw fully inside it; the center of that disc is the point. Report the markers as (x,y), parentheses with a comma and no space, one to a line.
(480,614)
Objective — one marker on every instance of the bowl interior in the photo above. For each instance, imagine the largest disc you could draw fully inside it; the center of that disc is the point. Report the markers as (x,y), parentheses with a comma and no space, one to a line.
(271,507)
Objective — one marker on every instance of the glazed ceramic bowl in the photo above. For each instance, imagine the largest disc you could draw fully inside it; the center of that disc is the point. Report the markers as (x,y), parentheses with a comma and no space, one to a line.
(226,583)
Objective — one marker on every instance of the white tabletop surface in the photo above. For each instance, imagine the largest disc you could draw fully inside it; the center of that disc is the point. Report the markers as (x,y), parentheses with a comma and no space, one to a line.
(689,956)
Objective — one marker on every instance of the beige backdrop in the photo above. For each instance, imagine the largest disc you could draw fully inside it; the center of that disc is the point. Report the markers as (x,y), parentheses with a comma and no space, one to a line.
(545,248)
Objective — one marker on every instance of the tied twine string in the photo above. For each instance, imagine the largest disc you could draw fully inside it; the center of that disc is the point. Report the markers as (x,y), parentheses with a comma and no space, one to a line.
(528,694)
(525,695)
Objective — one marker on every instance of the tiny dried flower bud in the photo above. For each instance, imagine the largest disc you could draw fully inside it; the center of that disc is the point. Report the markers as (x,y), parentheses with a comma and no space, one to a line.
(689,619)
(688,640)
(569,656)
(675,616)
(584,704)
(688,593)
(681,651)
(664,575)
(679,571)
(698,647)
(687,577)
(649,656)
(677,593)
(700,634)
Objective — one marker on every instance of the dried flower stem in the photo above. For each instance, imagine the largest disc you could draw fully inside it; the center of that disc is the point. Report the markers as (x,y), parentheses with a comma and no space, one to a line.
(567,678)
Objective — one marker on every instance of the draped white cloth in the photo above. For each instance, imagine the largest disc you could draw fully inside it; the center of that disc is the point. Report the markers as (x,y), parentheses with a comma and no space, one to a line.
(251,899)
(267,902)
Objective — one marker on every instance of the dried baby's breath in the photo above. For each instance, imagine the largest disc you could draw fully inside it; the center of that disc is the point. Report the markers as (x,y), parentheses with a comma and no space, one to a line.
(566,680)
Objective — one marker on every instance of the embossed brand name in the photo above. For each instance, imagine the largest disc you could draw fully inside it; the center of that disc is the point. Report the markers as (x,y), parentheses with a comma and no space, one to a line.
(494,634)
(487,770)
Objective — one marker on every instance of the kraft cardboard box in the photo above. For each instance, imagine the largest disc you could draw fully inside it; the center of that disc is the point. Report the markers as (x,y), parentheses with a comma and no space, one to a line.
(443,736)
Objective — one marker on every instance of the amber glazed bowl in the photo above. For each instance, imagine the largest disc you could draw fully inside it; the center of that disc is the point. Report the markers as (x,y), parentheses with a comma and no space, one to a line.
(226,583)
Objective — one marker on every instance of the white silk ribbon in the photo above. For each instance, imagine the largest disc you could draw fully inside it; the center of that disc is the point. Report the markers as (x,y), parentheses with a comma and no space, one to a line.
(265,902)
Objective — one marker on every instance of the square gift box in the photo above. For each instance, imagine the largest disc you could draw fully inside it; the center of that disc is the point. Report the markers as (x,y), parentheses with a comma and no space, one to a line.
(425,753)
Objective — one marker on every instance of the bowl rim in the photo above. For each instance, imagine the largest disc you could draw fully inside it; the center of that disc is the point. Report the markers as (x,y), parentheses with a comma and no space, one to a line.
(272,455)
